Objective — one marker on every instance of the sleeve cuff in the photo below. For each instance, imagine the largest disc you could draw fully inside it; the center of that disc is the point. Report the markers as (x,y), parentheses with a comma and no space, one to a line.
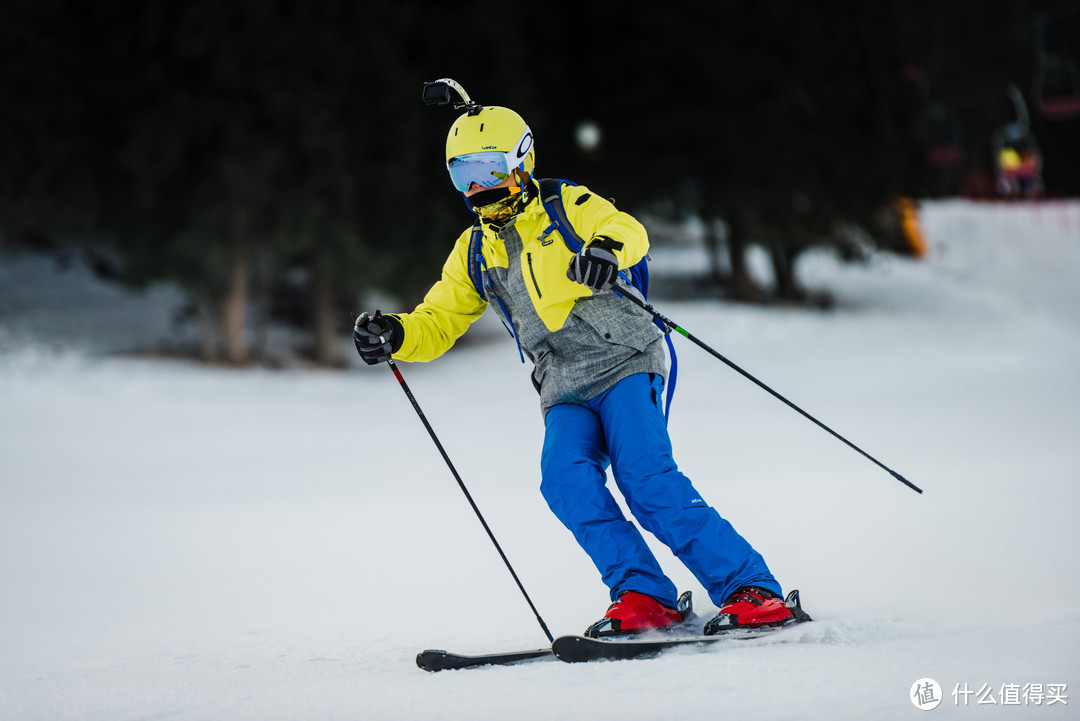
(397,335)
(602,241)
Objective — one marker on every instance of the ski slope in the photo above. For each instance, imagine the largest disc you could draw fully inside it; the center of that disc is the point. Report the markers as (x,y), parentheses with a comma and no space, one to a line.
(189,542)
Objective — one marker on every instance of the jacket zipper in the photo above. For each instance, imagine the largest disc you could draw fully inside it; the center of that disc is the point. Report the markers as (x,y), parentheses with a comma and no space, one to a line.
(528,257)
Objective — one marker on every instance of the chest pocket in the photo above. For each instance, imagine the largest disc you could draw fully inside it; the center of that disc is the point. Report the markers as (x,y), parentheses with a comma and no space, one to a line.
(612,321)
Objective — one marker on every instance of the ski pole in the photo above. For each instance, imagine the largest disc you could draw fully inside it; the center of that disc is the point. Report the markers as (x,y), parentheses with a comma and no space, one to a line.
(644,305)
(476,510)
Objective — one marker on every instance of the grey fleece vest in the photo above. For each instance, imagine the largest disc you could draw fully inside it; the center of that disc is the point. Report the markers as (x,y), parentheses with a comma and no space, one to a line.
(604,340)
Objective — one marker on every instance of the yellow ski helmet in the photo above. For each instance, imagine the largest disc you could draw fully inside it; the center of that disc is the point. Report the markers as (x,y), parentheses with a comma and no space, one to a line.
(486,144)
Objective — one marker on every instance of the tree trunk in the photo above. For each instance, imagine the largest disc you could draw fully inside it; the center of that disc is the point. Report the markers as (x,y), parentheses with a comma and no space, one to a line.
(233,307)
(713,243)
(783,262)
(204,315)
(742,283)
(326,346)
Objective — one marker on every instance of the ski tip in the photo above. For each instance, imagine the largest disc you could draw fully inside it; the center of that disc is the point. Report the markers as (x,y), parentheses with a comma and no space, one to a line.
(428,660)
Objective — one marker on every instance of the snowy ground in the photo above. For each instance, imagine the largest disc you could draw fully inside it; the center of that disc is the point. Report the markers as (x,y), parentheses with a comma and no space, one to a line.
(187,542)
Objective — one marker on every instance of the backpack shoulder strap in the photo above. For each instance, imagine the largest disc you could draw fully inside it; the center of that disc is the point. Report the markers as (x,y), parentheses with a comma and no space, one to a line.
(477,267)
(476,258)
(551,197)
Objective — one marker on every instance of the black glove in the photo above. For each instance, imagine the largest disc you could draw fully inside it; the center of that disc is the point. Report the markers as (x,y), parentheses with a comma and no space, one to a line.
(596,266)
(378,337)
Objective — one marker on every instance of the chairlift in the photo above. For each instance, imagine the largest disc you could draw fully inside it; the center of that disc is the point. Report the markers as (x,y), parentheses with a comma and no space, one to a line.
(1055,84)
(1017,157)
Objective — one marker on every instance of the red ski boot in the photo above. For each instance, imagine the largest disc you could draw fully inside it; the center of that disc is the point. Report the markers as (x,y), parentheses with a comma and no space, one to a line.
(634,613)
(751,607)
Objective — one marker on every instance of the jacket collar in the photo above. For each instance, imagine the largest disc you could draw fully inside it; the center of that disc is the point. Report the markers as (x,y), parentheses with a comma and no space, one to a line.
(531,207)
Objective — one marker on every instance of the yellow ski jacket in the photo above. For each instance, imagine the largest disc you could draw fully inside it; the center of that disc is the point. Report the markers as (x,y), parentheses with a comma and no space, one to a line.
(584,342)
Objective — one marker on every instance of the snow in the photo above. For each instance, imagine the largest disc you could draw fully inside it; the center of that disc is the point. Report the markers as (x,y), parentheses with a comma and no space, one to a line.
(191,542)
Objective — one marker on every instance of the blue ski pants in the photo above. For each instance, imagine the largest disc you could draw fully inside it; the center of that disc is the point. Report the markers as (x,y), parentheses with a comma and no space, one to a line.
(625,429)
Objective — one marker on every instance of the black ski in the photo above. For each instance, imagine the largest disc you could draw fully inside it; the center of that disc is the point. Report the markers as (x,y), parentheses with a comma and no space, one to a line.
(577,649)
(434,660)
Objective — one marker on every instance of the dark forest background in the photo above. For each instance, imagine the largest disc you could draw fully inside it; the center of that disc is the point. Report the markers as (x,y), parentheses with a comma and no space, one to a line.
(274,159)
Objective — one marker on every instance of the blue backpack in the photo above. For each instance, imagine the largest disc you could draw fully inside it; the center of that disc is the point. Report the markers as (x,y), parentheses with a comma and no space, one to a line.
(637,275)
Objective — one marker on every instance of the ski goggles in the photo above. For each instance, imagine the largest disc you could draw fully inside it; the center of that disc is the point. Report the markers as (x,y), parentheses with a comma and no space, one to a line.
(490,168)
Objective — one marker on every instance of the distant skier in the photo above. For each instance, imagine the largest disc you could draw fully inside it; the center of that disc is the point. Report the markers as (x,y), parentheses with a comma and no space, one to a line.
(600,370)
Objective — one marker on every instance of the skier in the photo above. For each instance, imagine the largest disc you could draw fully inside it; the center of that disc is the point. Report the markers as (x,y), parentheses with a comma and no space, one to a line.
(599,367)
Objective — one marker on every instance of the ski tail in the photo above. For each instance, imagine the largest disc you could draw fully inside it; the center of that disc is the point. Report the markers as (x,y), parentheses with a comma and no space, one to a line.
(793,602)
(437,660)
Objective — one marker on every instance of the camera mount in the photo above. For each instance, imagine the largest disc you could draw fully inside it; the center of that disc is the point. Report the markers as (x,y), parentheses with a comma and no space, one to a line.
(437,92)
